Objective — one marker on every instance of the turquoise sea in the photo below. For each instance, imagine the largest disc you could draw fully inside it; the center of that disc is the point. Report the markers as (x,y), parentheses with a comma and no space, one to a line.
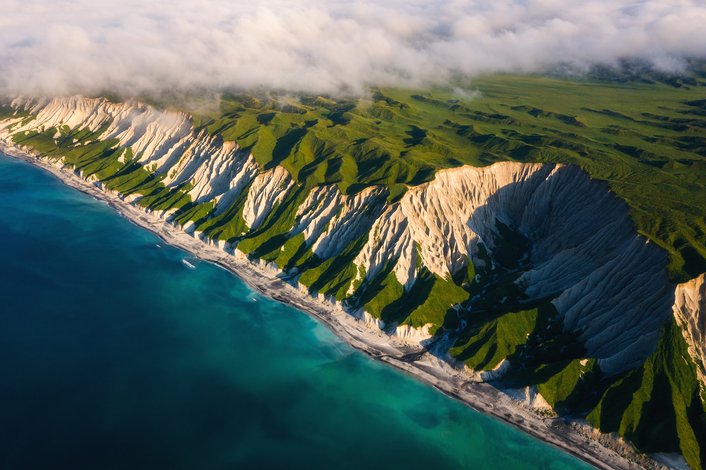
(115,354)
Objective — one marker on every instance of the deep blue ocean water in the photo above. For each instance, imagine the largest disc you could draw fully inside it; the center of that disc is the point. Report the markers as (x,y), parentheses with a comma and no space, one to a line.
(116,354)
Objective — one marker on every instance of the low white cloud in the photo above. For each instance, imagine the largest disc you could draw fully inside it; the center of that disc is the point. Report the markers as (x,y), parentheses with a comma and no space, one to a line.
(133,47)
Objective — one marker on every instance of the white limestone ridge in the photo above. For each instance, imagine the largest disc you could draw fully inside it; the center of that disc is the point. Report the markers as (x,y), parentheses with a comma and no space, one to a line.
(330,220)
(266,191)
(164,141)
(690,313)
(608,283)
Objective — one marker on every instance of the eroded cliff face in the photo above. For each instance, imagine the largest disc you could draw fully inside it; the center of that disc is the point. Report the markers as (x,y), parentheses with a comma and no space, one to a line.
(580,249)
(608,283)
(690,312)
(330,221)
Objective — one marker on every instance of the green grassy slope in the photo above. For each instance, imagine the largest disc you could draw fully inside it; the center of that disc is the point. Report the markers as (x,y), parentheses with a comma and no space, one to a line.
(658,407)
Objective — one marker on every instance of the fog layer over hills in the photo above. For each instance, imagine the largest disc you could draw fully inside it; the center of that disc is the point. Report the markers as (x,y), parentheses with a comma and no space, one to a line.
(133,47)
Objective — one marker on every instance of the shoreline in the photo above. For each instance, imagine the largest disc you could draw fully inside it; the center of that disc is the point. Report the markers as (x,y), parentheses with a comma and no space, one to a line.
(572,437)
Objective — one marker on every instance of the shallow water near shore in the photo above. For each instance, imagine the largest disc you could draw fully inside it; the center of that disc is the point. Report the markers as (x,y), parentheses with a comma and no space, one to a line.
(116,353)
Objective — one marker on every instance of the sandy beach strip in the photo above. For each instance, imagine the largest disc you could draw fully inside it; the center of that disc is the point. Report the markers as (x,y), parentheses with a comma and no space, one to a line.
(573,437)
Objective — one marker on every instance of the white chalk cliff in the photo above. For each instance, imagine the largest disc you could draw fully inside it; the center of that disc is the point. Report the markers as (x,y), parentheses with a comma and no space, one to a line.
(690,312)
(608,283)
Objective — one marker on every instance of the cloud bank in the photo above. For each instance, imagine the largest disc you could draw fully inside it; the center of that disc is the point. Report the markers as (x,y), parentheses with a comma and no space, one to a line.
(132,47)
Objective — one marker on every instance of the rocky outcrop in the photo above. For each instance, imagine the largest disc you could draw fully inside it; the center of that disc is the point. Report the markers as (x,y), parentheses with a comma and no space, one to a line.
(266,191)
(690,312)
